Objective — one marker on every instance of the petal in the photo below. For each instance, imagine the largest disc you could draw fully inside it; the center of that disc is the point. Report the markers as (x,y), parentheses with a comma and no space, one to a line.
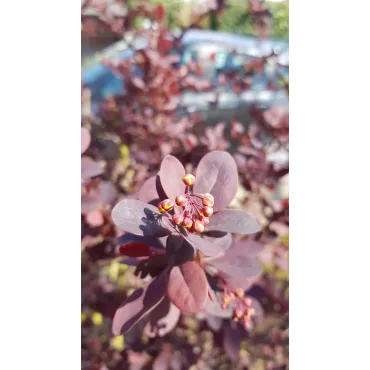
(139,304)
(171,174)
(148,192)
(188,287)
(233,221)
(139,218)
(178,250)
(162,319)
(217,174)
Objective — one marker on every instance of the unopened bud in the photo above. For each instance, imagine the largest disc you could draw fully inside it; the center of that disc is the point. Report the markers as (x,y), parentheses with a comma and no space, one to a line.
(168,205)
(205,221)
(187,223)
(181,200)
(239,292)
(188,179)
(160,207)
(208,200)
(178,219)
(207,211)
(198,226)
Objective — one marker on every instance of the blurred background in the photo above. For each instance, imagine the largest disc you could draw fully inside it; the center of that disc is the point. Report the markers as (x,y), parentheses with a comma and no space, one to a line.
(183,78)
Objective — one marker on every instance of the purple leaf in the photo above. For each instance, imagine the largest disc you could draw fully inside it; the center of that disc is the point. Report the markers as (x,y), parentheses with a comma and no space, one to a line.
(188,287)
(162,319)
(90,168)
(171,174)
(139,304)
(214,308)
(232,339)
(215,323)
(223,242)
(85,139)
(178,250)
(148,192)
(237,282)
(233,221)
(139,218)
(237,261)
(205,246)
(217,174)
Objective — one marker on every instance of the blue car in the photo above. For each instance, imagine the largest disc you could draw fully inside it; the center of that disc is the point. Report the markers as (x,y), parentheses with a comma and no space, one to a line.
(201,44)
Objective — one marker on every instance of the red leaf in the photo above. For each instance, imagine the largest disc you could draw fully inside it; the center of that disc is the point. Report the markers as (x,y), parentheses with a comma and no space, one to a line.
(135,249)
(188,287)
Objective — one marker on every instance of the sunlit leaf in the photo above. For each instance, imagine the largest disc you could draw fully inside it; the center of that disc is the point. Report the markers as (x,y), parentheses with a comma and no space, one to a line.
(188,287)
(233,221)
(171,174)
(217,174)
(139,218)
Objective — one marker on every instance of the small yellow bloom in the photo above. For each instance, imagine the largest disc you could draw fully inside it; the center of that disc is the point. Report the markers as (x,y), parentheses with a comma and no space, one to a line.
(118,343)
(97,318)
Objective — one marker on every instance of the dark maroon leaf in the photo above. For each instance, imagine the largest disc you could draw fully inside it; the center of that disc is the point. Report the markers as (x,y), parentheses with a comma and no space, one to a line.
(90,168)
(148,192)
(171,174)
(152,266)
(162,319)
(140,218)
(178,250)
(188,287)
(135,249)
(233,221)
(139,304)
(217,174)
(153,242)
(205,245)
(232,339)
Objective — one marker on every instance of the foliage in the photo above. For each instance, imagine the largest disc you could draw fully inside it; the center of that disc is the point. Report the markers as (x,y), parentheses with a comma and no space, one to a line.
(185,232)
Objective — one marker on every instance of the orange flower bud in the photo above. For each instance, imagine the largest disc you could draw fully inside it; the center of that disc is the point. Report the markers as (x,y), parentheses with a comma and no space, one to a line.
(208,200)
(207,211)
(198,226)
(205,221)
(160,207)
(168,205)
(188,179)
(187,223)
(178,219)
(239,292)
(181,200)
